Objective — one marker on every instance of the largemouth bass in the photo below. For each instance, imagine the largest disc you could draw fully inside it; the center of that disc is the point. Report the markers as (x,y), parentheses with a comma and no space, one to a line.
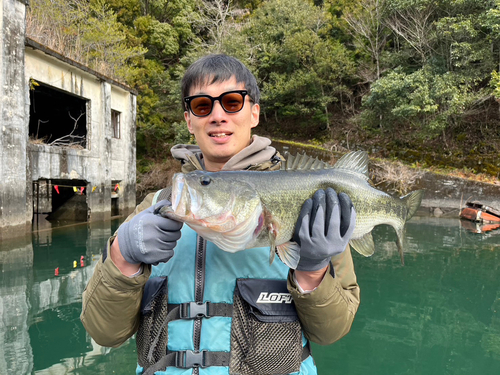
(240,210)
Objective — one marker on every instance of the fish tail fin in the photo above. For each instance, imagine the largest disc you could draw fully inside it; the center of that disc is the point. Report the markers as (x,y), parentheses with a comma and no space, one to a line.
(412,202)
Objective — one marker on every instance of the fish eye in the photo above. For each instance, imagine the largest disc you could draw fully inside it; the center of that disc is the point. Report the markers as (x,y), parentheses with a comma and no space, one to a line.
(205,180)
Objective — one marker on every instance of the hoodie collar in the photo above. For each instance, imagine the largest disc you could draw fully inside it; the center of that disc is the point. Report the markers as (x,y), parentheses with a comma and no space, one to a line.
(259,151)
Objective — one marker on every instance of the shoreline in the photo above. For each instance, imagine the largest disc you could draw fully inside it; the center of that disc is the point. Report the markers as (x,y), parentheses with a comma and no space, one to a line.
(449,193)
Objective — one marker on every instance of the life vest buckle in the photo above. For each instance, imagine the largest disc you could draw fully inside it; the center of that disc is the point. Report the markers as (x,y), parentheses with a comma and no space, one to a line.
(190,359)
(191,310)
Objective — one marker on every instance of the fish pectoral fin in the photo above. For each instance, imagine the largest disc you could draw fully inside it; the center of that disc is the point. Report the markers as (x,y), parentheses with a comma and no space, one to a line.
(272,254)
(289,254)
(272,241)
(364,245)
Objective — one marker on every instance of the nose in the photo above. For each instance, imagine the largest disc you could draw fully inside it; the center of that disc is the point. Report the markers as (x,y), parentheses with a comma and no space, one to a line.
(217,111)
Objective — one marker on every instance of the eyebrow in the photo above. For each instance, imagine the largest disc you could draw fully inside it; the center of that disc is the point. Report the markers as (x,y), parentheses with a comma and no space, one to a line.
(226,90)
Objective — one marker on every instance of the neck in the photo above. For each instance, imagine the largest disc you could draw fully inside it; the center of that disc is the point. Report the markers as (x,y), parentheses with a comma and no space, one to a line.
(216,165)
(213,167)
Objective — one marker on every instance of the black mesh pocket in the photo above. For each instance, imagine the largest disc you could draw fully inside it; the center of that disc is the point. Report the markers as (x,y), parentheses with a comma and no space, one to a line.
(266,336)
(152,335)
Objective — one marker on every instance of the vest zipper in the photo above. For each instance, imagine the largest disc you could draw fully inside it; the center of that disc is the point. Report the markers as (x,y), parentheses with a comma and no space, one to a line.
(199,285)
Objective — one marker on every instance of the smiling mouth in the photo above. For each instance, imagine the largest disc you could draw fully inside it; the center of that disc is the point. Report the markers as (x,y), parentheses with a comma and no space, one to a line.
(220,135)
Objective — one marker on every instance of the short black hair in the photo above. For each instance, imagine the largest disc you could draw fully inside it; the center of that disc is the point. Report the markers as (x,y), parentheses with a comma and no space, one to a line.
(219,68)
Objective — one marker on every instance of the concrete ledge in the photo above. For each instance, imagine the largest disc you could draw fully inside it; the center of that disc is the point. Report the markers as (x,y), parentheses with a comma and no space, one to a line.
(17,231)
(452,193)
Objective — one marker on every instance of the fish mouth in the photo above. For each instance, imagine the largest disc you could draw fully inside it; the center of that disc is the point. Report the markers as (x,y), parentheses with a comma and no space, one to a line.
(220,223)
(187,204)
(185,200)
(177,191)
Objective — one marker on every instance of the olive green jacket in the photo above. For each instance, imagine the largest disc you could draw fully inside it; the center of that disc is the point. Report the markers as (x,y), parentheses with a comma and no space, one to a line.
(111,301)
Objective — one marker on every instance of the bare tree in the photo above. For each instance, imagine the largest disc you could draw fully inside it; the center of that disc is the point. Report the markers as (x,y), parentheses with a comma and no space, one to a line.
(415,26)
(217,20)
(368,29)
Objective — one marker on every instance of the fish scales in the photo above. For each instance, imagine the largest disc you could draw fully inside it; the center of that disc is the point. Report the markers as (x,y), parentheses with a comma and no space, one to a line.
(283,192)
(238,210)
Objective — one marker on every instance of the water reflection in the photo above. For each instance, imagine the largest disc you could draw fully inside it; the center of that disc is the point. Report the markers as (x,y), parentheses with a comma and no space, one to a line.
(477,227)
(439,314)
(40,331)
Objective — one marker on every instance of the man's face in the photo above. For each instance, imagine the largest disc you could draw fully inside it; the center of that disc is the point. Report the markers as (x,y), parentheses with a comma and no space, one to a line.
(222,135)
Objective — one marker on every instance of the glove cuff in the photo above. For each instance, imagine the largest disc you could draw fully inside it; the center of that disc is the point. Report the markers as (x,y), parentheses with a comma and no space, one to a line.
(310,265)
(124,243)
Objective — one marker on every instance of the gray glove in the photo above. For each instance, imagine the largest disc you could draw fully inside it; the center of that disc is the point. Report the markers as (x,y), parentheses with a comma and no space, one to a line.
(324,228)
(149,238)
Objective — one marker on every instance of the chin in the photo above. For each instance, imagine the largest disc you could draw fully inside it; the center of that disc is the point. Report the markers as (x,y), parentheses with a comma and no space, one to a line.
(223,157)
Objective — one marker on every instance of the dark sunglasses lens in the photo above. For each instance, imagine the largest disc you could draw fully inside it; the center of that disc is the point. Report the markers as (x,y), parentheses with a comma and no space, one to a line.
(232,102)
(201,106)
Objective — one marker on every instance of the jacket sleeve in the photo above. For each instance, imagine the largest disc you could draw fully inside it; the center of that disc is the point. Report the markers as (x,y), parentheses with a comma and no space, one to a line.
(327,313)
(111,302)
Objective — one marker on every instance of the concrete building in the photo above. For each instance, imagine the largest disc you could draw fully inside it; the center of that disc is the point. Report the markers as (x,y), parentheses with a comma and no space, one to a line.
(67,135)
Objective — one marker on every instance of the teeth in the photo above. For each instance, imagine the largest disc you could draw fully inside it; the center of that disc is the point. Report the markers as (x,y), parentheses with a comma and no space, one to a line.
(219,135)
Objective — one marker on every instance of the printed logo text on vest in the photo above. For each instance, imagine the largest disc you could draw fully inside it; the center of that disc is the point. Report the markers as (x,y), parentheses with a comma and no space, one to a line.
(274,298)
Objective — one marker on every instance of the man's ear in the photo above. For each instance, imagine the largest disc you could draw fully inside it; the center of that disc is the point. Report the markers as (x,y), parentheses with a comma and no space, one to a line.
(187,117)
(255,115)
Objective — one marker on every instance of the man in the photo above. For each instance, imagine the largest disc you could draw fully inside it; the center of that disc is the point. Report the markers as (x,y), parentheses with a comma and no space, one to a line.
(207,311)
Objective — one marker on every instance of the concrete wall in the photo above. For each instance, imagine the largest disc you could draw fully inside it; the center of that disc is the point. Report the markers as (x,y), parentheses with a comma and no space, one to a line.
(13,120)
(104,162)
(123,150)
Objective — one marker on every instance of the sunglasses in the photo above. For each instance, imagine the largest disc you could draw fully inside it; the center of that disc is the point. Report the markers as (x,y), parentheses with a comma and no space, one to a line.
(202,105)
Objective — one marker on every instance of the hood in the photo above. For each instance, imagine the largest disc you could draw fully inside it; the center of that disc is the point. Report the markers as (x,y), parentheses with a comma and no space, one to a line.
(255,156)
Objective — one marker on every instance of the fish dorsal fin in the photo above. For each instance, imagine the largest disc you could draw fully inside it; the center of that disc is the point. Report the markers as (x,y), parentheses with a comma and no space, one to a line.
(303,162)
(356,161)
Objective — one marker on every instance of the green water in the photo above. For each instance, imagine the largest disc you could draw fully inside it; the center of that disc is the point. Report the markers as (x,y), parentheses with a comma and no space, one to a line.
(439,314)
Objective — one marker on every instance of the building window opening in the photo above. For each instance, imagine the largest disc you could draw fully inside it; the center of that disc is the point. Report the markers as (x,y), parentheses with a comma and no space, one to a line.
(115,198)
(42,203)
(69,201)
(115,207)
(115,123)
(57,118)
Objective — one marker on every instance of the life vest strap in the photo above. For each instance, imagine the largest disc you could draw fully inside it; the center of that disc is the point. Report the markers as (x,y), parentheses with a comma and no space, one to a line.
(189,359)
(204,358)
(192,310)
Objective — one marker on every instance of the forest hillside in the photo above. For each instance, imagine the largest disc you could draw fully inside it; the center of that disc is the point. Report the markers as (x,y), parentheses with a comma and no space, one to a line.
(410,80)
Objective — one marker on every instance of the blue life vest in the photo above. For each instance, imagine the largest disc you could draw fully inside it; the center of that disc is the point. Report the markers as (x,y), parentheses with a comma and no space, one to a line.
(221,270)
